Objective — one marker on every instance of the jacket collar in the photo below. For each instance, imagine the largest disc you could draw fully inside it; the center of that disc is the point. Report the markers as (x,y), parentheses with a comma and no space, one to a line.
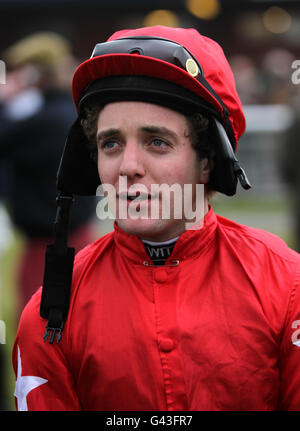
(190,243)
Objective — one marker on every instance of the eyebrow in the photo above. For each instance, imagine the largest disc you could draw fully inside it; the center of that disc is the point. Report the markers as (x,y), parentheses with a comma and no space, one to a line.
(106,134)
(158,130)
(154,130)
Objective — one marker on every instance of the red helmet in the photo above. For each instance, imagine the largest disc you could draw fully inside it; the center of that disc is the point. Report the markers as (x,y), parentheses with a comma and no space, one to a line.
(214,81)
(175,67)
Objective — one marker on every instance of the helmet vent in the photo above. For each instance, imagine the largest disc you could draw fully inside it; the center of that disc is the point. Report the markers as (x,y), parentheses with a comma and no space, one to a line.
(136,51)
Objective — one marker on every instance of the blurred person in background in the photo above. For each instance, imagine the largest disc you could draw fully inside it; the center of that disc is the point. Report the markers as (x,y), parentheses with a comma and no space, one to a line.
(276,76)
(290,163)
(5,241)
(280,90)
(247,78)
(36,112)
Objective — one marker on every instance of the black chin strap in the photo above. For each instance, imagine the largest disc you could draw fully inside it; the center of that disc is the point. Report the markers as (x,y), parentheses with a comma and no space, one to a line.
(58,273)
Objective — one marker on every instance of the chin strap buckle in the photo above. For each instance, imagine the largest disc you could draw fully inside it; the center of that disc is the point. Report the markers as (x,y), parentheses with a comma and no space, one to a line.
(54,326)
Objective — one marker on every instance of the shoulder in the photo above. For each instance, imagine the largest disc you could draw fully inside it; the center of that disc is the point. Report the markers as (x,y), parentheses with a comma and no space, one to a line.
(92,252)
(253,241)
(31,322)
(264,262)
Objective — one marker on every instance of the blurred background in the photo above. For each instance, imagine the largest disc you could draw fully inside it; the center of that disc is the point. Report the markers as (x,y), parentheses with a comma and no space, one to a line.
(42,42)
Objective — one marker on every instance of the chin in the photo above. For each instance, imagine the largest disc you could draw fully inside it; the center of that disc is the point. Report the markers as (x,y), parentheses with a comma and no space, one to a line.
(159,230)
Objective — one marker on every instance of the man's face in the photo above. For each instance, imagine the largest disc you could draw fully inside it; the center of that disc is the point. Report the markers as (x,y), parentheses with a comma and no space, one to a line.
(140,147)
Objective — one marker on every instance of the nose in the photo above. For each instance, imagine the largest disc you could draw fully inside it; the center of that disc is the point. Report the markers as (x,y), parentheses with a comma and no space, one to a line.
(132,163)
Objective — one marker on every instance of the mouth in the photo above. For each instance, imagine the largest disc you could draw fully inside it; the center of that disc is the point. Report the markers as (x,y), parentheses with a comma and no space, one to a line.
(138,204)
(137,197)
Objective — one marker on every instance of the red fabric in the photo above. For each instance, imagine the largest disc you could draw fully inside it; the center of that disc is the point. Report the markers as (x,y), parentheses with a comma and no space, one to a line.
(208,53)
(31,271)
(215,332)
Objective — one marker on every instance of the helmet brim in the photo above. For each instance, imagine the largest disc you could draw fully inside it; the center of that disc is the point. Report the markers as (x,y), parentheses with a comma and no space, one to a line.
(104,66)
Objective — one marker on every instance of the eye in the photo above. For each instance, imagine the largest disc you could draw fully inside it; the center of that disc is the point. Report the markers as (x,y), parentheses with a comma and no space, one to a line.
(109,145)
(159,143)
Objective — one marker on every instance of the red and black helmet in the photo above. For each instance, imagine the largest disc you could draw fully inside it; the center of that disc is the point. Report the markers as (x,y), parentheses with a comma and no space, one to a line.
(175,67)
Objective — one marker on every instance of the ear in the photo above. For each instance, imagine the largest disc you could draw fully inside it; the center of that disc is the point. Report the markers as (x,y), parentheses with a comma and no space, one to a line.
(206,166)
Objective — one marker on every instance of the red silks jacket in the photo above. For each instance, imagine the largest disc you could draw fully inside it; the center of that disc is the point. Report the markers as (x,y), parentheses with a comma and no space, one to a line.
(216,328)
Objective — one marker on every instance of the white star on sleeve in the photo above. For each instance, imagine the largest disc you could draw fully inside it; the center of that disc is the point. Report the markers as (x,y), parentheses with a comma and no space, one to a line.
(24,385)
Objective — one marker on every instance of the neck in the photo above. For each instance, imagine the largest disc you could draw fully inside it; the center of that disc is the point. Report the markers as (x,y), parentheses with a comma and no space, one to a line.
(176,231)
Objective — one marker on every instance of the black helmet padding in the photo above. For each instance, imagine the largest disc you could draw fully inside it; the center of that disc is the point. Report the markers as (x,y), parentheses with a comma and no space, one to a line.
(77,173)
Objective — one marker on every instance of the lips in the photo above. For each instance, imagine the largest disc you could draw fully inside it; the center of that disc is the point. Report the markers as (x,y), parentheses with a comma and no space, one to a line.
(137,196)
(137,205)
